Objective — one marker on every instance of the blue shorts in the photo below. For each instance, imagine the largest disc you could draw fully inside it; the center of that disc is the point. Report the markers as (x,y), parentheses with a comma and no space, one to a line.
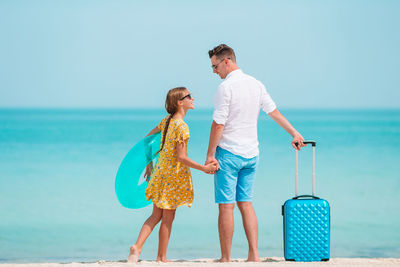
(234,179)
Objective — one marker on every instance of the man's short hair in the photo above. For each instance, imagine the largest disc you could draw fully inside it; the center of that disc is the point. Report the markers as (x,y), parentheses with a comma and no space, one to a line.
(222,51)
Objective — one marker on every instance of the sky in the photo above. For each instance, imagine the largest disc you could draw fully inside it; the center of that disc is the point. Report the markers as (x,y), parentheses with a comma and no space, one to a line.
(127,54)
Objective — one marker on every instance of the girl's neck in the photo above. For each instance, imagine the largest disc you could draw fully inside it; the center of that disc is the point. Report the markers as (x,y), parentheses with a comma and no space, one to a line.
(180,114)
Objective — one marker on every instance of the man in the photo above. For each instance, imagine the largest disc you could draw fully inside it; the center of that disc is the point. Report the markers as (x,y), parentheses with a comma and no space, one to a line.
(234,145)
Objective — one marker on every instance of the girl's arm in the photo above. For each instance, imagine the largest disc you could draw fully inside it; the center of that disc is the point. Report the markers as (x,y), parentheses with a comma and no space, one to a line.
(155,130)
(149,167)
(184,159)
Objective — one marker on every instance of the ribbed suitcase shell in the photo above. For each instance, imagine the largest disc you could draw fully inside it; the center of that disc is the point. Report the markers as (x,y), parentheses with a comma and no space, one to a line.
(306,229)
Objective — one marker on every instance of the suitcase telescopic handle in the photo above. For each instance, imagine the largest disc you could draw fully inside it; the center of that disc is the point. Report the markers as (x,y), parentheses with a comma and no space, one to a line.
(313,143)
(306,196)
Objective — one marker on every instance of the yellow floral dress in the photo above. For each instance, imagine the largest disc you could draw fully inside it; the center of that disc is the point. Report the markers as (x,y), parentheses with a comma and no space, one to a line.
(170,185)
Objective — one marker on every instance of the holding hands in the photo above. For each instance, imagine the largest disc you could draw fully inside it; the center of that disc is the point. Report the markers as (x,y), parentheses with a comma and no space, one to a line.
(210,168)
(214,163)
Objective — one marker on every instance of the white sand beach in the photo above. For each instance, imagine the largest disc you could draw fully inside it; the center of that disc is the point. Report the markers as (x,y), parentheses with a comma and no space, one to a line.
(271,261)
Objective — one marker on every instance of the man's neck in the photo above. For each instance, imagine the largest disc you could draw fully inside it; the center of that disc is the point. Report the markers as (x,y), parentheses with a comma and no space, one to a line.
(233,68)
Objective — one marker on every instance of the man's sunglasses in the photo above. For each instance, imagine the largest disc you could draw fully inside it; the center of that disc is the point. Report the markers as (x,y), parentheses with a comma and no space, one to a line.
(214,67)
(188,95)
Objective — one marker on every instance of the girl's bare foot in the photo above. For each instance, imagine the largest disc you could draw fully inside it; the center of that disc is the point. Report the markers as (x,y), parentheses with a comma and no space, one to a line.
(223,260)
(133,254)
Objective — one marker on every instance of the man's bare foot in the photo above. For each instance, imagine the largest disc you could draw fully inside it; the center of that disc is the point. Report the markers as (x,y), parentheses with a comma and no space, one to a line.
(223,260)
(253,257)
(133,254)
(161,259)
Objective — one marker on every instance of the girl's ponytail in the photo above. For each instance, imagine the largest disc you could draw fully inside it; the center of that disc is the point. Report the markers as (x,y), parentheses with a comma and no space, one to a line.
(164,135)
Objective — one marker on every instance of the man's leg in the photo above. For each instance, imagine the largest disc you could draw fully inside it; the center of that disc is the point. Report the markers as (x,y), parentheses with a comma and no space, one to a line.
(244,195)
(225,229)
(225,182)
(251,228)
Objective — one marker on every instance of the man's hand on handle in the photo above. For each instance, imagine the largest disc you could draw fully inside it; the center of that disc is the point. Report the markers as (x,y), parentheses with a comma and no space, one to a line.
(297,142)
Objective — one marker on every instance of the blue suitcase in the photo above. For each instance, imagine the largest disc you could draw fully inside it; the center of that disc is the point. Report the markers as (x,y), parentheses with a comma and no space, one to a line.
(306,224)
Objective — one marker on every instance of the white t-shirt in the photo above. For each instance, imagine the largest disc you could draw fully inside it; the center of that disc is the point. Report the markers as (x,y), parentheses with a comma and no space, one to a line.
(237,105)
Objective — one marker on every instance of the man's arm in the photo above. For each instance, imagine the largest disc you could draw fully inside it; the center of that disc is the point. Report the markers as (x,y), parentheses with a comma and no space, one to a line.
(285,124)
(215,136)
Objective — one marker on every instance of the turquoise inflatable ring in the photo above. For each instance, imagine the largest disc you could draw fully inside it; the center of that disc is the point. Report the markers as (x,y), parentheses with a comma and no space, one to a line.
(127,188)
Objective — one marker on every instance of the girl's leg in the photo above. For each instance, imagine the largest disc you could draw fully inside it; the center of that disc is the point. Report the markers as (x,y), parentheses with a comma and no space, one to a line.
(164,234)
(146,230)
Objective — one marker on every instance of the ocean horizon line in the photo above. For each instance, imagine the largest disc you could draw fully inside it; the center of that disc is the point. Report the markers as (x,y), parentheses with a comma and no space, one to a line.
(196,109)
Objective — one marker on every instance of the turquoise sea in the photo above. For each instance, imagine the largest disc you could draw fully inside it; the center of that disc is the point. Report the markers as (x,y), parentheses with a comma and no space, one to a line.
(58,167)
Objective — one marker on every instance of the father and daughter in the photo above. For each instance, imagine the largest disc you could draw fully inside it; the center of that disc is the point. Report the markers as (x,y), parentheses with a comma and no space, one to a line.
(232,156)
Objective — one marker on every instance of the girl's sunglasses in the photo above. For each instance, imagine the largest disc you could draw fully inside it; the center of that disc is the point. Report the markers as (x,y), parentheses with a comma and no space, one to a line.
(188,95)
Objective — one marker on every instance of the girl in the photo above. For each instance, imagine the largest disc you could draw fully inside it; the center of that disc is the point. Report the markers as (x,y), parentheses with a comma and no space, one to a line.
(170,184)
